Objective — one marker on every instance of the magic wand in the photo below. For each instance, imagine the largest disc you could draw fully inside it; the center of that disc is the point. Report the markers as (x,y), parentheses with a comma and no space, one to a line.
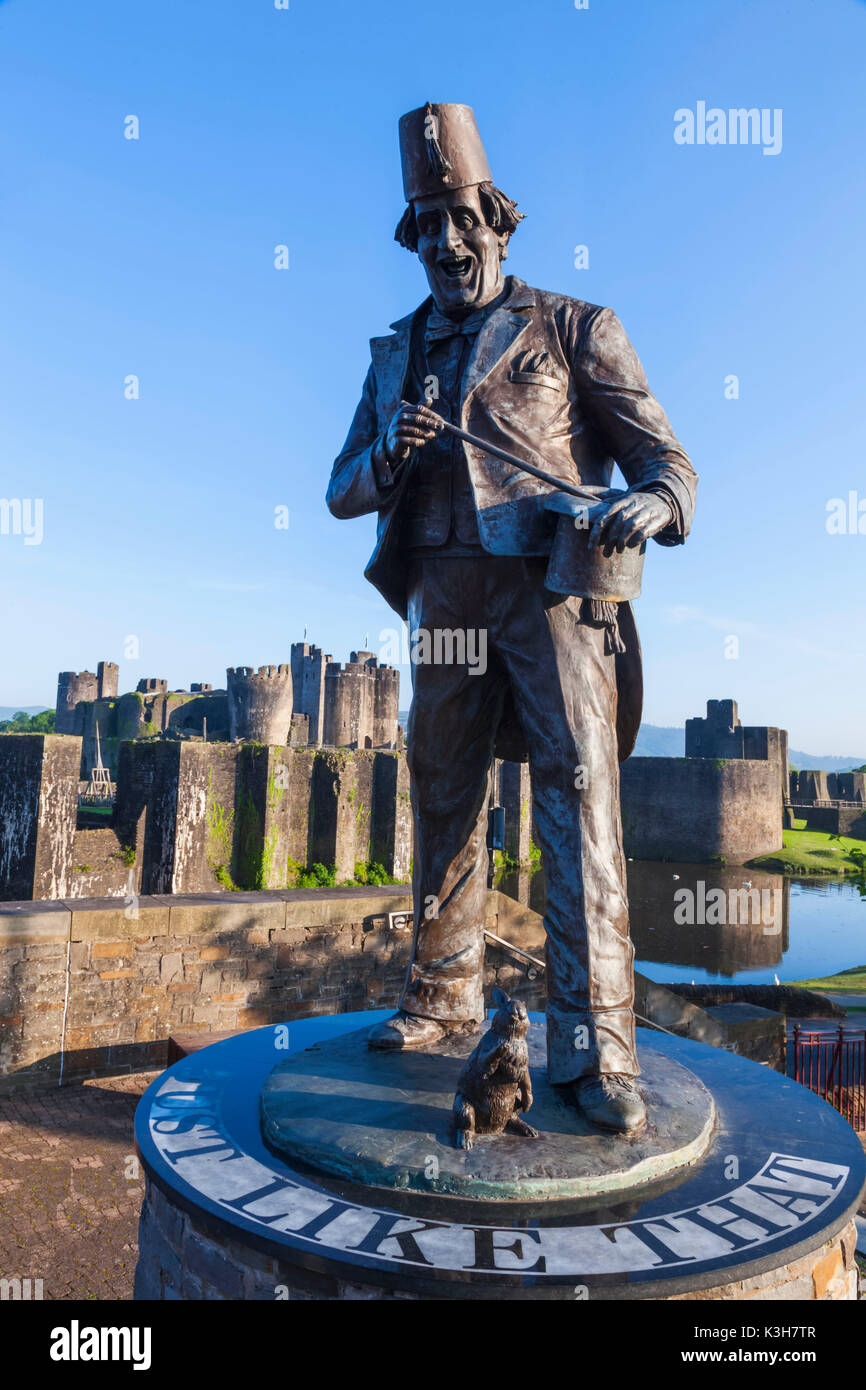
(585,494)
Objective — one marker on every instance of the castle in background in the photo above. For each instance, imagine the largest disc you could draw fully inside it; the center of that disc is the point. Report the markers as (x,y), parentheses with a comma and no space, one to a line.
(721,735)
(724,800)
(295,780)
(310,702)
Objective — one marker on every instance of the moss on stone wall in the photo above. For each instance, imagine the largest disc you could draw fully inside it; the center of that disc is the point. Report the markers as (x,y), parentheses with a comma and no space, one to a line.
(325,876)
(249,844)
(220,836)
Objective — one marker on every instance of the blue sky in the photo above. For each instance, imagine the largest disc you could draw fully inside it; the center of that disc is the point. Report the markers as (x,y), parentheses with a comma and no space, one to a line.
(261,127)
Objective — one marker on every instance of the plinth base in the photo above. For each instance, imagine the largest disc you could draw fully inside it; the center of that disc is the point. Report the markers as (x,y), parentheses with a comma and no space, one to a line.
(765,1213)
(384,1119)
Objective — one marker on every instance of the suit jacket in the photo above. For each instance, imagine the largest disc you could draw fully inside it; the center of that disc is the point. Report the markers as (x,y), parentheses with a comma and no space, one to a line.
(553,380)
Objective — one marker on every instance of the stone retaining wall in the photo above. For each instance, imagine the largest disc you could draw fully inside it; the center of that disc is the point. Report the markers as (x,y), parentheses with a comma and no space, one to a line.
(837,820)
(90,987)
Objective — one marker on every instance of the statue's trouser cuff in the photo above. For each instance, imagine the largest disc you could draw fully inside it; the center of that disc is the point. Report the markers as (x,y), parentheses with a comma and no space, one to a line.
(582,1043)
(458,1000)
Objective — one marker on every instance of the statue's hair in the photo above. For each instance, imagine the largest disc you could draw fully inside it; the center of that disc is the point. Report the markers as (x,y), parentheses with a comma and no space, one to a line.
(500,214)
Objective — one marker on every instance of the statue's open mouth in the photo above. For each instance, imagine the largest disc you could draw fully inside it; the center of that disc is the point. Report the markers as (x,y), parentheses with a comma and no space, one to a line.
(456,267)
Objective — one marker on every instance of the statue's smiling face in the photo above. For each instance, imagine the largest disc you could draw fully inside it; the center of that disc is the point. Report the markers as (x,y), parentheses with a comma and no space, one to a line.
(460,253)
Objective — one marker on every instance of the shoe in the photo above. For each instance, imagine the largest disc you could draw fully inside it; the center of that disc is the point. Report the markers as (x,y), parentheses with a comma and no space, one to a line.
(611,1102)
(404,1031)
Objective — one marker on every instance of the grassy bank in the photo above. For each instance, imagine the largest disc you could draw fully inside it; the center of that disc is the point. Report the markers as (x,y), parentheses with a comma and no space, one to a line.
(815,852)
(851,981)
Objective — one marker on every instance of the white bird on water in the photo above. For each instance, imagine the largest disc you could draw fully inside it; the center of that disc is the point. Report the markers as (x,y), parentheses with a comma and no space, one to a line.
(776,978)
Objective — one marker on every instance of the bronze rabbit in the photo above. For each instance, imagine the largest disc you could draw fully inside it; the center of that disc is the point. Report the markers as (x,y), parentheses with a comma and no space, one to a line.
(494,1085)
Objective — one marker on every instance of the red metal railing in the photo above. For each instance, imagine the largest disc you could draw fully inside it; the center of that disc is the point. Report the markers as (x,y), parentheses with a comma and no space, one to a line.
(833,1065)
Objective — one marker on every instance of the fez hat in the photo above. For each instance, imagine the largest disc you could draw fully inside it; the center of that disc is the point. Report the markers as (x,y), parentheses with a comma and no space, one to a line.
(440,149)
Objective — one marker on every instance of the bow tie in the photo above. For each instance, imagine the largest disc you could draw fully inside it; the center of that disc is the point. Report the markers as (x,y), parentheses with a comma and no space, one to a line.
(439,327)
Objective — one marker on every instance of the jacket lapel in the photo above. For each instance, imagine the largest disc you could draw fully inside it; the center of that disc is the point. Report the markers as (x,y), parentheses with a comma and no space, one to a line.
(390,357)
(499,332)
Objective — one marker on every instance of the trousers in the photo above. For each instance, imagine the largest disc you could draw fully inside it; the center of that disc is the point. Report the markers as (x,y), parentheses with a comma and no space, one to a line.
(564,689)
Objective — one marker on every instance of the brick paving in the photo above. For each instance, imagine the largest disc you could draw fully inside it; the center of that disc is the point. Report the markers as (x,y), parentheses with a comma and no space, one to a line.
(71,1188)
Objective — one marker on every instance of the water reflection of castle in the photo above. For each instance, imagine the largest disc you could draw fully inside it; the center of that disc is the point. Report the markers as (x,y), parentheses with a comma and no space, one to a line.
(740,920)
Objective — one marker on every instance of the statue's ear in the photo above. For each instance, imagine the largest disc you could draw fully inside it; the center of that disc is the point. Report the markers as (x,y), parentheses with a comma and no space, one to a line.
(500,998)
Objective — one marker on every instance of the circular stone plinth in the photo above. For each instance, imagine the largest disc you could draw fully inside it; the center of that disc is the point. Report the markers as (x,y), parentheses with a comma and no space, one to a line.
(383,1119)
(765,1213)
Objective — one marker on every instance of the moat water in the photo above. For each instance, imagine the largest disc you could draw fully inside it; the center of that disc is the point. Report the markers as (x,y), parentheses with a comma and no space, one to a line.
(698,922)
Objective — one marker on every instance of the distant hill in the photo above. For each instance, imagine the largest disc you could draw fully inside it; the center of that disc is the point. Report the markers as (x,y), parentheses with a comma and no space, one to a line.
(10,711)
(823,760)
(657,741)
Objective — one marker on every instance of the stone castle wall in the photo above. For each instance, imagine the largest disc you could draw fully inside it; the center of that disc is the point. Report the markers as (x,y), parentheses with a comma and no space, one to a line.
(260,703)
(838,820)
(76,686)
(810,787)
(38,811)
(308,681)
(191,817)
(145,713)
(699,809)
(360,703)
(816,785)
(721,735)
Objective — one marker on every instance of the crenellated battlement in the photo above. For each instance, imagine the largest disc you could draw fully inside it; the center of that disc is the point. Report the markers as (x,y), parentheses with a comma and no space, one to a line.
(309,701)
(263,672)
(260,703)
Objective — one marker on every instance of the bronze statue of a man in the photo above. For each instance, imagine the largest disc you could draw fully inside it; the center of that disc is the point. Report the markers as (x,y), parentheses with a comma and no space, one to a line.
(463,545)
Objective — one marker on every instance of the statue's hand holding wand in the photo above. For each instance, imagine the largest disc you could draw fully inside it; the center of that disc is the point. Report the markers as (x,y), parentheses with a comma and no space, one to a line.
(411,427)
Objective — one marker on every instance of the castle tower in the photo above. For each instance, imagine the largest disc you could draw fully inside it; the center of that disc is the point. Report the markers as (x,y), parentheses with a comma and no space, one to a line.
(308,687)
(379,723)
(347,698)
(107,676)
(260,703)
(719,735)
(386,702)
(72,687)
(361,703)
